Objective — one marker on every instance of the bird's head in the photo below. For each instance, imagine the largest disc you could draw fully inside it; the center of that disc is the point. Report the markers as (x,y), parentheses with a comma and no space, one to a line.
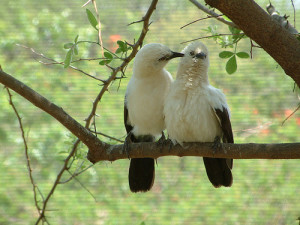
(195,59)
(154,57)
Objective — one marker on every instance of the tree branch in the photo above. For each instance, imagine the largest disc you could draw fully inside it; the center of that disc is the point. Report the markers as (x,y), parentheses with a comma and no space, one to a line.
(226,150)
(265,31)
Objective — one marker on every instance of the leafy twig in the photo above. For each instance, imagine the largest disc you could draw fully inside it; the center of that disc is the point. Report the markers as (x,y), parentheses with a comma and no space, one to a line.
(99,26)
(56,62)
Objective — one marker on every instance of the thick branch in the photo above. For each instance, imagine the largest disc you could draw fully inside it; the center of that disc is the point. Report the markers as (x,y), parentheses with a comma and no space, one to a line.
(265,31)
(55,111)
(234,151)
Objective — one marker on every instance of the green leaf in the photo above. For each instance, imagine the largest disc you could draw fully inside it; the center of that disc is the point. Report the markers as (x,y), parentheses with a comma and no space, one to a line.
(104,62)
(225,54)
(243,55)
(68,45)
(92,18)
(234,30)
(119,50)
(231,65)
(76,38)
(75,50)
(68,59)
(143,223)
(121,43)
(108,55)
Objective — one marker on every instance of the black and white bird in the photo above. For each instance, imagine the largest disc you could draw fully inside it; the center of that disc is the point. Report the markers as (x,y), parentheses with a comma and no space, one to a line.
(195,111)
(143,110)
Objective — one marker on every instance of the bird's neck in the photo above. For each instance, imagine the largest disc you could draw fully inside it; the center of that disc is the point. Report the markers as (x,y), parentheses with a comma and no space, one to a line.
(193,77)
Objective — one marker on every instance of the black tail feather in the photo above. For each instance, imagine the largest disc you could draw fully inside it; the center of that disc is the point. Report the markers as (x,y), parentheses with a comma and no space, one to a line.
(218,171)
(141,174)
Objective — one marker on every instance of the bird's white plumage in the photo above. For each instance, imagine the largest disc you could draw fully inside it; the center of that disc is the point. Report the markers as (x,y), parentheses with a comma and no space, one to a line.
(190,103)
(147,90)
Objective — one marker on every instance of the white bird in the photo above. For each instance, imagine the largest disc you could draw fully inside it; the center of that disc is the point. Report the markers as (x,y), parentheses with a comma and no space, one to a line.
(143,110)
(195,111)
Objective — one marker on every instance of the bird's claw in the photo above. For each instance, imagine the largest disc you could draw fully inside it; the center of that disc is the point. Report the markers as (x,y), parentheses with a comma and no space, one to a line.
(160,143)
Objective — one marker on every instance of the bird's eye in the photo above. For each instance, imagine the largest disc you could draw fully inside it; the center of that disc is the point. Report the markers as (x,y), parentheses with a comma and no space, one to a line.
(192,53)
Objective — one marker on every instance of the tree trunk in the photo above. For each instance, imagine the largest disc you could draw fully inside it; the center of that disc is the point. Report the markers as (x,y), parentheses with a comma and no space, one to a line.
(269,34)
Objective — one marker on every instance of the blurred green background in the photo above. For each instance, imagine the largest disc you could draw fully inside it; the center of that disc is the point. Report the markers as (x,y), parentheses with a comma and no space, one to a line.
(260,96)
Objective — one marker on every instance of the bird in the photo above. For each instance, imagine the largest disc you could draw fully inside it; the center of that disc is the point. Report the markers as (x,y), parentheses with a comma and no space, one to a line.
(143,108)
(195,111)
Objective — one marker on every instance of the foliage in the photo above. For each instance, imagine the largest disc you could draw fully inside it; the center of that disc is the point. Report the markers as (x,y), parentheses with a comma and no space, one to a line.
(259,94)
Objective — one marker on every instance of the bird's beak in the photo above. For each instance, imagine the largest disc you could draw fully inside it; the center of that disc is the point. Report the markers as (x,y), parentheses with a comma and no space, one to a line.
(200,55)
(175,55)
(172,56)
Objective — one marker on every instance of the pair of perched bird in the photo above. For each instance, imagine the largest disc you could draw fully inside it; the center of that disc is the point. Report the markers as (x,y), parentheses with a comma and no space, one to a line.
(189,108)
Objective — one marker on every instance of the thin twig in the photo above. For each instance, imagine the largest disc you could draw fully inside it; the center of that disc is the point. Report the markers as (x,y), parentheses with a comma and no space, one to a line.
(294,13)
(216,35)
(290,115)
(34,186)
(105,135)
(63,169)
(139,21)
(208,17)
(82,185)
(56,62)
(212,13)
(99,27)
(76,174)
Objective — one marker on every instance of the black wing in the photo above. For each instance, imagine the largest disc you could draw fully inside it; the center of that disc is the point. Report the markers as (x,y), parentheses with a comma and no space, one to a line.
(218,169)
(225,123)
(126,124)
(223,116)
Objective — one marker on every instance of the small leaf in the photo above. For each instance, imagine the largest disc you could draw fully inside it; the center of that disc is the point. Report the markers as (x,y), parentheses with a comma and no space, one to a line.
(243,55)
(92,18)
(75,50)
(104,62)
(225,54)
(68,59)
(76,38)
(121,43)
(118,51)
(68,45)
(231,65)
(143,223)
(108,55)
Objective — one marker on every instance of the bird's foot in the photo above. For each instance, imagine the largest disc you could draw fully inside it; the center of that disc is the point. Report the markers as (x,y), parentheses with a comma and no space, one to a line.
(161,141)
(126,144)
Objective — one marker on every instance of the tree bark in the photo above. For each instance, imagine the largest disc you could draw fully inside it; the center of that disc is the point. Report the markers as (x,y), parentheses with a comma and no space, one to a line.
(268,33)
(225,150)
